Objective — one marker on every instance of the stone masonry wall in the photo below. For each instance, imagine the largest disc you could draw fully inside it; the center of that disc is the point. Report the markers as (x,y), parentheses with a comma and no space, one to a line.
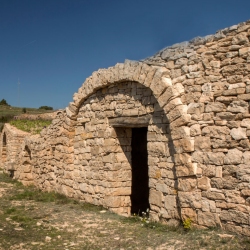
(215,72)
(11,139)
(103,153)
(197,95)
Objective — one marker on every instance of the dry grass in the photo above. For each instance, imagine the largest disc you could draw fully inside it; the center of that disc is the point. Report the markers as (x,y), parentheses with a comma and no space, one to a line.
(30,219)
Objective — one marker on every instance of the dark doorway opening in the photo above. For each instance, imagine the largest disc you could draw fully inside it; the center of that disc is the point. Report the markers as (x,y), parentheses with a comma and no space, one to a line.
(140,179)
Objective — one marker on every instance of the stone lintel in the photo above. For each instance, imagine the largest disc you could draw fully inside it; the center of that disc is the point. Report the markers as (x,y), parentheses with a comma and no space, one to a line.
(130,122)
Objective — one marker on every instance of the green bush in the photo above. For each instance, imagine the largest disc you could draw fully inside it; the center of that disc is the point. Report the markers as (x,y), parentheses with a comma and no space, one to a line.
(187,223)
(46,108)
(4,102)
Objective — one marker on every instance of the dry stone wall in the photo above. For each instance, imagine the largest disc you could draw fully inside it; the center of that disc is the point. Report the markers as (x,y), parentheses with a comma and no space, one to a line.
(103,152)
(194,100)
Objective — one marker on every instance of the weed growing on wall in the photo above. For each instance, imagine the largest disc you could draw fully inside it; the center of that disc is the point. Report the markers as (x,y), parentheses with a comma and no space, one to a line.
(31,126)
(187,223)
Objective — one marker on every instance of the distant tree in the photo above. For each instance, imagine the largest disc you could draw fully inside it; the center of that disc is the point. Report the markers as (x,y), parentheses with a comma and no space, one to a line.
(4,102)
(24,110)
(46,108)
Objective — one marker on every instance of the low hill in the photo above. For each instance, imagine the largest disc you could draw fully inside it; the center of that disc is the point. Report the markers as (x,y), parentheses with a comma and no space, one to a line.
(8,113)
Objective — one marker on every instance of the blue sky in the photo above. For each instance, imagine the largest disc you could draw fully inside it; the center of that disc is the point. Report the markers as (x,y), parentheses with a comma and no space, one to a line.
(52,46)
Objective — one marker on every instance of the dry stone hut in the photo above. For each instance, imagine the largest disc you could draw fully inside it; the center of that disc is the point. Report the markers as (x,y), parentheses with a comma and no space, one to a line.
(169,134)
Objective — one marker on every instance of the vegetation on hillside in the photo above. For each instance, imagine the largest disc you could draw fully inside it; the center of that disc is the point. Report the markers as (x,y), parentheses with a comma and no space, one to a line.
(4,102)
(7,113)
(46,107)
(31,126)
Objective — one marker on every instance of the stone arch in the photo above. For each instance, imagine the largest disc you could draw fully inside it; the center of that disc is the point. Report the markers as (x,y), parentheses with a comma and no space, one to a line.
(167,93)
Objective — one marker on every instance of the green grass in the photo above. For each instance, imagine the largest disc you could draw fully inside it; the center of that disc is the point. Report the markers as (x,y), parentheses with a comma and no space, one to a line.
(31,126)
(28,215)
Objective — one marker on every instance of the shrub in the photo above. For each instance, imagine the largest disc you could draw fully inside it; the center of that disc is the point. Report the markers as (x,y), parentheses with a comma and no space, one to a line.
(4,102)
(46,108)
(187,223)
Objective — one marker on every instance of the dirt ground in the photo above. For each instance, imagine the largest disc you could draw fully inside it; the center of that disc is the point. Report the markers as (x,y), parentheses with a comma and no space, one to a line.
(30,219)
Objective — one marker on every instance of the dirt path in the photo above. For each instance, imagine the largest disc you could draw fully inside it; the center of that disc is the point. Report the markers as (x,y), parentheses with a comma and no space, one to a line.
(30,219)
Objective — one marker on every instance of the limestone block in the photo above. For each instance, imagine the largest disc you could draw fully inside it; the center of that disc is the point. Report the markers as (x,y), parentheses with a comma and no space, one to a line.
(245,192)
(233,196)
(214,158)
(244,52)
(240,39)
(121,157)
(208,170)
(238,107)
(96,80)
(246,157)
(189,169)
(226,116)
(184,145)
(214,194)
(171,104)
(170,93)
(208,158)
(120,191)
(189,213)
(231,92)
(219,132)
(208,219)
(113,201)
(144,71)
(156,148)
(202,143)
(195,108)
(160,82)
(170,202)
(180,132)
(155,197)
(182,159)
(190,199)
(245,97)
(243,172)
(238,133)
(226,99)
(110,142)
(237,85)
(108,158)
(203,183)
(234,156)
(181,121)
(162,187)
(179,79)
(69,113)
(234,215)
(215,107)
(187,184)
(218,172)
(149,76)
(137,71)
(195,130)
(26,168)
(245,123)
